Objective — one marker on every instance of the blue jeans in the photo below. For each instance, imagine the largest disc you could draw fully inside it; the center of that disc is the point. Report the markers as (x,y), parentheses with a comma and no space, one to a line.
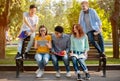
(98,45)
(65,60)
(30,43)
(42,60)
(81,62)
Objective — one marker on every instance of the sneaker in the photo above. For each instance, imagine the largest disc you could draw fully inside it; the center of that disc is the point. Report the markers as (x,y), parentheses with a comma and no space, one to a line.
(40,73)
(87,76)
(36,72)
(18,56)
(79,77)
(68,74)
(58,74)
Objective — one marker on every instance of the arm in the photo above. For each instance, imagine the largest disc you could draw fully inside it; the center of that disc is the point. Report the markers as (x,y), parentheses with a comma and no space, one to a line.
(49,43)
(27,23)
(68,45)
(86,46)
(99,23)
(35,26)
(35,45)
(71,47)
(53,46)
(79,17)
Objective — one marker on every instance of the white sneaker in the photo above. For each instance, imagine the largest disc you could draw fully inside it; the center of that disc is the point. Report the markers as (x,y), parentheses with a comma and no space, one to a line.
(68,74)
(58,74)
(40,73)
(36,72)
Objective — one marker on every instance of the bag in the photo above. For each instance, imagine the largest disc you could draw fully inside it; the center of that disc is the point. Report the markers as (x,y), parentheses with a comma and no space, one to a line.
(23,35)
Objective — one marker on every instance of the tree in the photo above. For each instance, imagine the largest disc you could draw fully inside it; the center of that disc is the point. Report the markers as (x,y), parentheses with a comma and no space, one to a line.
(112,7)
(8,9)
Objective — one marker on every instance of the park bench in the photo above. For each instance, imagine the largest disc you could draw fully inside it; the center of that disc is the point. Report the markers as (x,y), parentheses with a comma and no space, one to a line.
(92,55)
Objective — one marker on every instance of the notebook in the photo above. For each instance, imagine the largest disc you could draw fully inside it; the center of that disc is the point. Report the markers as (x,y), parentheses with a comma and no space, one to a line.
(23,35)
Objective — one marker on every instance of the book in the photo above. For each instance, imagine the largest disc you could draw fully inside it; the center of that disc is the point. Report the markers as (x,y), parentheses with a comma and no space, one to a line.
(23,35)
(78,56)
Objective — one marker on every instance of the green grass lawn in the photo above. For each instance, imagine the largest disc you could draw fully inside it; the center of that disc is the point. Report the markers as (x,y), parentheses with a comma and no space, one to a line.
(11,52)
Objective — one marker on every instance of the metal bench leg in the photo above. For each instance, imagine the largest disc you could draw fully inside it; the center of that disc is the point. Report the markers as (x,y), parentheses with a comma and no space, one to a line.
(100,65)
(17,68)
(104,66)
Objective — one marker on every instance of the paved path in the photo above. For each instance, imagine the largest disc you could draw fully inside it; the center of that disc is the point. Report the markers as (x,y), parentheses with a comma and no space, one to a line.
(113,75)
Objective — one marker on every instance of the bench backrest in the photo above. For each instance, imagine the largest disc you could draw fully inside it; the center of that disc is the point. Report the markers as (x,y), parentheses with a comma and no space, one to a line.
(92,53)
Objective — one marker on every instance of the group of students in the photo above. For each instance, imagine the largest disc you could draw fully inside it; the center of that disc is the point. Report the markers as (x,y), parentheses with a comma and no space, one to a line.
(63,46)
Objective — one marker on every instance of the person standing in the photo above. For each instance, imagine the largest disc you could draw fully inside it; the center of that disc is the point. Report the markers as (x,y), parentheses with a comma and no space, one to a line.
(60,50)
(92,26)
(30,21)
(43,46)
(79,49)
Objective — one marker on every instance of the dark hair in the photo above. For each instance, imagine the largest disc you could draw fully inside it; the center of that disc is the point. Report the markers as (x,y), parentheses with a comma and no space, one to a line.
(59,29)
(42,26)
(32,6)
(80,30)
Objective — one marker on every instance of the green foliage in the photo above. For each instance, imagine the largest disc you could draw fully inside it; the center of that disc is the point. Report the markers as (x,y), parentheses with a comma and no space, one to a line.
(52,14)
(73,15)
(106,26)
(16,16)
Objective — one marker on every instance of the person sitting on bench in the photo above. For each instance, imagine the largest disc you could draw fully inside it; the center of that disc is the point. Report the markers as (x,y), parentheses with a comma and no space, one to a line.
(42,46)
(60,50)
(79,48)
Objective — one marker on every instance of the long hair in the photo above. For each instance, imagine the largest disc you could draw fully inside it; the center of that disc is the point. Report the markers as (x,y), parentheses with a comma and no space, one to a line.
(42,26)
(80,30)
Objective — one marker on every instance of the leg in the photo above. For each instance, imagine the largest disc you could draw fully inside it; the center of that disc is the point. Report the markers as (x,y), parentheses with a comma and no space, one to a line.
(56,65)
(19,53)
(30,43)
(92,41)
(101,42)
(55,62)
(66,62)
(75,64)
(39,59)
(20,45)
(46,58)
(81,61)
(67,65)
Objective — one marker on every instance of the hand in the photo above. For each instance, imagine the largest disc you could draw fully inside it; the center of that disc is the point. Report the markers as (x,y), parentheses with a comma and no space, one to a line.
(32,30)
(71,54)
(28,33)
(64,52)
(48,45)
(96,33)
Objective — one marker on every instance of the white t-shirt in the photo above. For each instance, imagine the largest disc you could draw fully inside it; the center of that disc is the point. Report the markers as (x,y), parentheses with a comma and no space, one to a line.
(32,21)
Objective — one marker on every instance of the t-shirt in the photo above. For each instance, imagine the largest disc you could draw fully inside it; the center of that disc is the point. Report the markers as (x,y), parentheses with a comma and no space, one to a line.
(42,43)
(32,21)
(87,21)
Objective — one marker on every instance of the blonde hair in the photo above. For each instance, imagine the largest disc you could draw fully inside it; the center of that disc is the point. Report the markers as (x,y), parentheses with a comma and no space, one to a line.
(86,2)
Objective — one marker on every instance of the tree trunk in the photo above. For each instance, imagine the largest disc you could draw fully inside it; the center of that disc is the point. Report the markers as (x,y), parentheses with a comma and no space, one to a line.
(3,24)
(114,22)
(2,42)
